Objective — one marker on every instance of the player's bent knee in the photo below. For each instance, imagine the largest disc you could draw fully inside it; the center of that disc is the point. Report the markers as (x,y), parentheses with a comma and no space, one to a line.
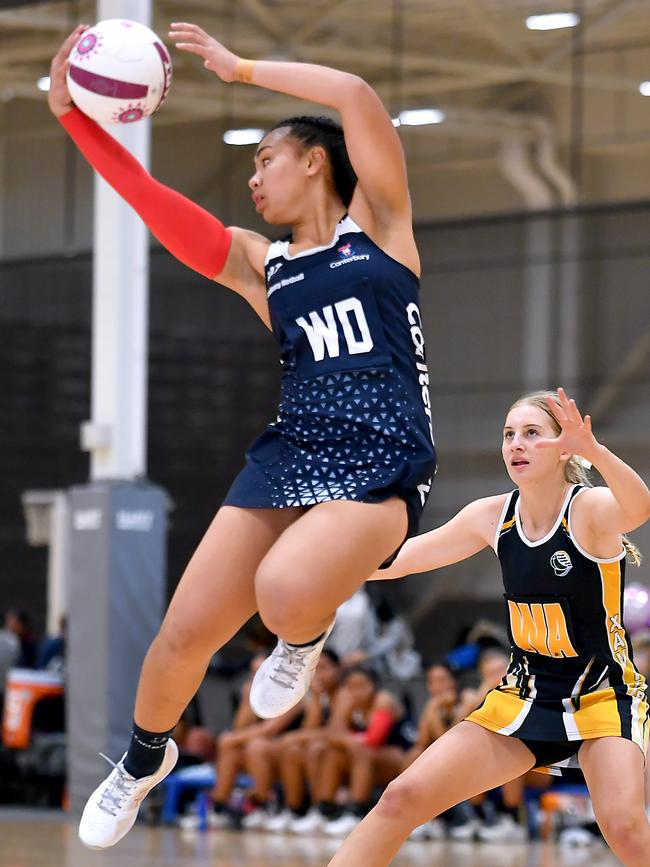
(182,641)
(317,749)
(280,609)
(400,802)
(358,748)
(257,747)
(625,832)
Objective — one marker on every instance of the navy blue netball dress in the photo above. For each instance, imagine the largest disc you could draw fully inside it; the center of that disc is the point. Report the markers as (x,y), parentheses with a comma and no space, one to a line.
(354,421)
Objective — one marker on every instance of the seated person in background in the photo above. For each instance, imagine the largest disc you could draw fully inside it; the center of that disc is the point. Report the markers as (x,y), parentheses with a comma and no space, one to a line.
(440,711)
(500,820)
(295,758)
(492,666)
(51,650)
(437,717)
(367,742)
(19,622)
(9,653)
(391,651)
(196,744)
(354,630)
(232,757)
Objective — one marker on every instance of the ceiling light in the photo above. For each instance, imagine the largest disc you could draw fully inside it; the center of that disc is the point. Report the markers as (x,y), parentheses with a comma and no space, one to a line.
(419,117)
(553,21)
(243,136)
(644,88)
(43,83)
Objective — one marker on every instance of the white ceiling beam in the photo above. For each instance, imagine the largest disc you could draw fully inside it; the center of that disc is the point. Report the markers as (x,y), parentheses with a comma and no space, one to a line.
(487,26)
(616,10)
(40,52)
(22,20)
(269,21)
(312,27)
(460,65)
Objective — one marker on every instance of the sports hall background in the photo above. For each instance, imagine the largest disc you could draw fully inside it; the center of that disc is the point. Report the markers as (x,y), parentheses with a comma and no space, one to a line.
(532,212)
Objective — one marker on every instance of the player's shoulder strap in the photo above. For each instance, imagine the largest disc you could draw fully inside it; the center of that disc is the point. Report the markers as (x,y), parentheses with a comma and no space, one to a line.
(507,518)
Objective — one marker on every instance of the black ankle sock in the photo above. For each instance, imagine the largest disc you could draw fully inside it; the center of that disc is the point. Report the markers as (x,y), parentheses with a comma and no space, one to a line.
(308,643)
(359,809)
(329,809)
(146,752)
(258,802)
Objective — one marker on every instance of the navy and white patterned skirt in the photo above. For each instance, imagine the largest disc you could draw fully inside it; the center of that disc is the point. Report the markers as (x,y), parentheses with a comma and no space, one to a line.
(342,436)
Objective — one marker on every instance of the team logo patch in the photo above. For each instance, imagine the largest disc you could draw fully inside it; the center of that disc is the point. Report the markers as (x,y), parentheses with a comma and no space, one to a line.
(561,563)
(347,255)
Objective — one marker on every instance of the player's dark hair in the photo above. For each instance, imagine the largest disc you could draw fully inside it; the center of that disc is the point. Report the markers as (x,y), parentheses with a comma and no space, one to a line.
(332,655)
(365,670)
(440,663)
(323,131)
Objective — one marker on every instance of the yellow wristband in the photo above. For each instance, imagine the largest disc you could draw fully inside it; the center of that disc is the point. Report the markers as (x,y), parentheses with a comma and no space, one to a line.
(244,71)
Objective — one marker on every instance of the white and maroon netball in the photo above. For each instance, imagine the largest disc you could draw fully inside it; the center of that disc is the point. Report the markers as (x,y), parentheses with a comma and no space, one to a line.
(119,72)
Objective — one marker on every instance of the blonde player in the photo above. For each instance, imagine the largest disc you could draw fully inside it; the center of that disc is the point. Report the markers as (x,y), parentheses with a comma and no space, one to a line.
(572,694)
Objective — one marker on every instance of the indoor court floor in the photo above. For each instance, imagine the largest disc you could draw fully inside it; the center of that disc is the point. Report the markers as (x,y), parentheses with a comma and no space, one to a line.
(29,839)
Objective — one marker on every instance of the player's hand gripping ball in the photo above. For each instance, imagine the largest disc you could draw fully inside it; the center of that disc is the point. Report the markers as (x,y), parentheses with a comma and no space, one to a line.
(119,71)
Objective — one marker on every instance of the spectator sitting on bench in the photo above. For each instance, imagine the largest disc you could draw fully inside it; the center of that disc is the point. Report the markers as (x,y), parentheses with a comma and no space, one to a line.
(232,758)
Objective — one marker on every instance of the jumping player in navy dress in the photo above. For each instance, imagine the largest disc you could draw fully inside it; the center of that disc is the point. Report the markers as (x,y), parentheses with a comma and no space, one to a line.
(332,489)
(572,696)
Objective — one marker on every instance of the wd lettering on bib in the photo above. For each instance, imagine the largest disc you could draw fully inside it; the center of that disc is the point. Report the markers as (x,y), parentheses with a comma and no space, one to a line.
(323,330)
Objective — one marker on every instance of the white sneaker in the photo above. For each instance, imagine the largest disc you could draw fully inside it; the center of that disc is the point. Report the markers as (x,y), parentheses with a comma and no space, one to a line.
(255,820)
(284,677)
(193,821)
(112,808)
(311,823)
(576,837)
(504,830)
(341,827)
(433,830)
(464,830)
(279,824)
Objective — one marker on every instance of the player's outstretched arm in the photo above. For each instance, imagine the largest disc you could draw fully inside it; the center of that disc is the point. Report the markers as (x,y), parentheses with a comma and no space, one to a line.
(467,533)
(624,504)
(372,142)
(190,233)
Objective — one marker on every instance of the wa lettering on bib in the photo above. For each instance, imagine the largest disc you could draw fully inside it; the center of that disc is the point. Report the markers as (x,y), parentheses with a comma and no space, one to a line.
(540,627)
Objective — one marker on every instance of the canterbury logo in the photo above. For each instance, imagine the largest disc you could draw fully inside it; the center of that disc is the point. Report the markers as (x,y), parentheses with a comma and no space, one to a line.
(561,563)
(273,270)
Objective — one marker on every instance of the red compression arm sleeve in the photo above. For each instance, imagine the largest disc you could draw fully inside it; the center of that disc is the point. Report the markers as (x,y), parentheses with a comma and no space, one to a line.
(381,722)
(190,233)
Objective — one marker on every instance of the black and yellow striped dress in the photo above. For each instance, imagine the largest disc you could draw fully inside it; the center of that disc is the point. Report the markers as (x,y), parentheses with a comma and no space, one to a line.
(571,675)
